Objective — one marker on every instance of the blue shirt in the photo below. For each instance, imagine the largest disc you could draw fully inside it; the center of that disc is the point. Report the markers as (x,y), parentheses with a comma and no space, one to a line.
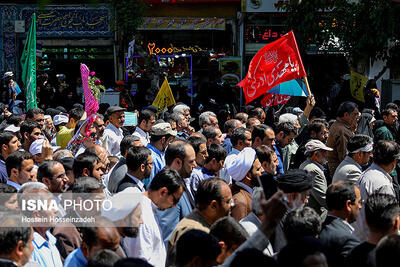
(197,176)
(158,163)
(3,171)
(76,259)
(227,144)
(45,251)
(14,184)
(279,168)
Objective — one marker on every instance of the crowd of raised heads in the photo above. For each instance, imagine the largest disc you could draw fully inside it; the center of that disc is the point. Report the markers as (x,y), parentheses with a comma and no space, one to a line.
(253,188)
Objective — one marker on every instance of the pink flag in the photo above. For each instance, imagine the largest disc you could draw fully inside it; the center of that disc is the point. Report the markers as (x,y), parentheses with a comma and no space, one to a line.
(91,104)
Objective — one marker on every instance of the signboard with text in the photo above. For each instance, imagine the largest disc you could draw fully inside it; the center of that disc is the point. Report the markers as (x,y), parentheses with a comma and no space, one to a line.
(263,34)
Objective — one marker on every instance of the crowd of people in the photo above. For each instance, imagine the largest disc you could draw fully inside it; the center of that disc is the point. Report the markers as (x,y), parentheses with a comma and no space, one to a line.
(283,189)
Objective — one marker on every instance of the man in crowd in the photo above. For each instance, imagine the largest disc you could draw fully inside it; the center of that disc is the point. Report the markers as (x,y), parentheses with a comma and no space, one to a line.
(36,115)
(208,118)
(258,113)
(113,133)
(269,162)
(359,154)
(179,156)
(118,172)
(316,153)
(146,121)
(182,109)
(199,144)
(139,163)
(213,201)
(285,133)
(181,126)
(377,179)
(30,131)
(164,192)
(263,135)
(242,117)
(100,127)
(160,136)
(296,185)
(252,221)
(213,135)
(382,214)
(15,242)
(317,129)
(20,168)
(52,174)
(229,126)
(88,165)
(386,132)
(9,143)
(245,171)
(211,168)
(251,123)
(340,132)
(101,235)
(343,200)
(65,134)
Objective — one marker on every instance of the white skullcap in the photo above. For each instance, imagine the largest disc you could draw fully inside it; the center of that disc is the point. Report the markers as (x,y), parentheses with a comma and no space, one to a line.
(241,165)
(36,147)
(288,117)
(122,204)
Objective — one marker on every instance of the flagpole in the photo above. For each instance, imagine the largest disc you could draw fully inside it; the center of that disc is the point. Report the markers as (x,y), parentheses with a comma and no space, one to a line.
(307,85)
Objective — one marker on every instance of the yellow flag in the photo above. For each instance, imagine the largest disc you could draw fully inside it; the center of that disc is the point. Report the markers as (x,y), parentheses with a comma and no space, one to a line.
(357,84)
(164,97)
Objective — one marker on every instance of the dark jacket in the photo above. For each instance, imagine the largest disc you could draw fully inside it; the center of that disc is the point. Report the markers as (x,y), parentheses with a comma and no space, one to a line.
(125,183)
(117,175)
(337,238)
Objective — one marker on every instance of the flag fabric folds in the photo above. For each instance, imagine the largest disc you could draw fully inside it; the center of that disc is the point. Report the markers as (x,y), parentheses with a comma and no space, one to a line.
(164,97)
(275,63)
(28,64)
(91,104)
(357,84)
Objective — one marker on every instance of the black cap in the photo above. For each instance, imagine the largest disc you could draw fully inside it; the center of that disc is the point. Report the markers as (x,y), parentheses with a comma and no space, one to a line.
(113,109)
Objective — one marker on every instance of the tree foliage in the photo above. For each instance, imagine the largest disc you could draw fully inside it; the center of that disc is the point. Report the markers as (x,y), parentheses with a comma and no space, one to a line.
(365,29)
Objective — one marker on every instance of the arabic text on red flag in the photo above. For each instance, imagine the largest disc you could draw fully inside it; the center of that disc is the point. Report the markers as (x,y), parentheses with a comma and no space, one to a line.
(275,63)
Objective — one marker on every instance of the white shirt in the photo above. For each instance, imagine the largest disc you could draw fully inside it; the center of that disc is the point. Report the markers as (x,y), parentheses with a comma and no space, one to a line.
(144,137)
(112,139)
(149,244)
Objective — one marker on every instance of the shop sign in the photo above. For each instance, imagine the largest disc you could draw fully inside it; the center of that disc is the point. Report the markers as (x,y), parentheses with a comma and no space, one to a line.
(153,48)
(161,23)
(73,21)
(186,1)
(263,34)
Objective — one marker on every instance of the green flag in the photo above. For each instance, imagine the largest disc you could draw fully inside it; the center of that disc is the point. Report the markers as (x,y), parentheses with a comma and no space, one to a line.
(28,63)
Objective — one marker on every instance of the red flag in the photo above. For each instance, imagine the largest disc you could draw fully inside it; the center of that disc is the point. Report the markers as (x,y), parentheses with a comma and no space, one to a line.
(275,63)
(270,100)
(91,104)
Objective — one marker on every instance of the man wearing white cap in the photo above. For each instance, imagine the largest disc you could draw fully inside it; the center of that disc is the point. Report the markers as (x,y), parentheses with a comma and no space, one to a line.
(316,153)
(42,150)
(126,213)
(245,171)
(359,152)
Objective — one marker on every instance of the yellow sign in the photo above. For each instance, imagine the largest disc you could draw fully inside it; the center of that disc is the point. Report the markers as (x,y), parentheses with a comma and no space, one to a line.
(164,97)
(357,84)
(154,49)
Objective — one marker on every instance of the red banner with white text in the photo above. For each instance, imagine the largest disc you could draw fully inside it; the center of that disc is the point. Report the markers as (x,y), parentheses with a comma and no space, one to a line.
(270,100)
(275,63)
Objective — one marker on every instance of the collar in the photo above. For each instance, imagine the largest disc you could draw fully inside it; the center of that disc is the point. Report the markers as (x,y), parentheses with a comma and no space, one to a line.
(234,151)
(207,172)
(245,187)
(352,161)
(114,129)
(14,184)
(319,165)
(40,241)
(138,182)
(142,133)
(351,228)
(377,167)
(153,148)
(344,123)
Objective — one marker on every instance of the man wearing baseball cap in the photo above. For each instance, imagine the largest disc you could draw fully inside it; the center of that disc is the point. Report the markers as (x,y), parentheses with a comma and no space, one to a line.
(113,133)
(316,153)
(161,135)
